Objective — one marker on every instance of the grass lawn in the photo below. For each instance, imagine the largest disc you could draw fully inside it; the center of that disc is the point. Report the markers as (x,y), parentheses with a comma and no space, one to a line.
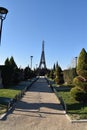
(2,109)
(9,93)
(12,92)
(75,109)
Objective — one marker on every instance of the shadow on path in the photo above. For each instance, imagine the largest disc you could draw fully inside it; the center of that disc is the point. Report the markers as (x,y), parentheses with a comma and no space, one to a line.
(40,86)
(34,106)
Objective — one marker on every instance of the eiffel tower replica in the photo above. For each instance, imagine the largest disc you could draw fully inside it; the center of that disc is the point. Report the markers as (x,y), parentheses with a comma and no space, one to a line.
(42,64)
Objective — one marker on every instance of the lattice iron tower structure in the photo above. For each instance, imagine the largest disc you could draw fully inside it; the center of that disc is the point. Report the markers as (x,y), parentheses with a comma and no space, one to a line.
(42,64)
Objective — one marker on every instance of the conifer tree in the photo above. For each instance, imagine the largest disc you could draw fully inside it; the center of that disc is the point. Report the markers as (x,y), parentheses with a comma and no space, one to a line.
(54,67)
(82,64)
(52,74)
(7,63)
(12,62)
(58,74)
(79,92)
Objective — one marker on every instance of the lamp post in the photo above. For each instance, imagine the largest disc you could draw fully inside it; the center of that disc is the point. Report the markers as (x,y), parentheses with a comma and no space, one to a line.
(76,61)
(31,61)
(3,13)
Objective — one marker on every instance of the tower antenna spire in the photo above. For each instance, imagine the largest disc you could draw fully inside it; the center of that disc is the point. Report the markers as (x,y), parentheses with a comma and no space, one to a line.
(42,60)
(43,45)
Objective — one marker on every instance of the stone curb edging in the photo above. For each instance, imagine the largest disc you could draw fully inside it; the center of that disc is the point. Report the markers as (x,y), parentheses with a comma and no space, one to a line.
(68,117)
(4,114)
(75,121)
(72,121)
(61,101)
(65,108)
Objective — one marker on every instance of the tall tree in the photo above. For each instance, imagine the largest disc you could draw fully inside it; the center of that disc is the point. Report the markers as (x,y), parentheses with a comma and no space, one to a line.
(79,92)
(7,62)
(52,74)
(57,65)
(82,64)
(54,67)
(27,73)
(10,72)
(12,63)
(58,75)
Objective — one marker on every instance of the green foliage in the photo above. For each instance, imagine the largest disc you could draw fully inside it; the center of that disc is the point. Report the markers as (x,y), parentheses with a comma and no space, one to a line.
(77,82)
(58,80)
(54,67)
(75,109)
(9,93)
(10,73)
(52,74)
(57,65)
(79,94)
(7,74)
(82,64)
(16,75)
(7,62)
(80,82)
(27,73)
(58,75)
(12,62)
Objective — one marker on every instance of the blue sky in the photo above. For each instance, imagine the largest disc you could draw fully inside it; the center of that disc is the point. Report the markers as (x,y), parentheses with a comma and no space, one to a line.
(62,24)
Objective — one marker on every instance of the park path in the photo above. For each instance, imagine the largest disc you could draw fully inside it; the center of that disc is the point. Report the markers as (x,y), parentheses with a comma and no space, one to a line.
(39,109)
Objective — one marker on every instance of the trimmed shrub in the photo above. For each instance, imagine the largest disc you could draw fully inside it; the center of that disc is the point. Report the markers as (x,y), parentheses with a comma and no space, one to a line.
(57,80)
(79,94)
(80,82)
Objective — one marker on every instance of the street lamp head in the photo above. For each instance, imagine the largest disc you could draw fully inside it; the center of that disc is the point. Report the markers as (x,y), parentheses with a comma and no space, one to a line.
(31,56)
(3,13)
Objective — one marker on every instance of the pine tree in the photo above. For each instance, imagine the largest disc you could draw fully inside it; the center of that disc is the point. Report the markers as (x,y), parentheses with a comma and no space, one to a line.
(12,62)
(7,62)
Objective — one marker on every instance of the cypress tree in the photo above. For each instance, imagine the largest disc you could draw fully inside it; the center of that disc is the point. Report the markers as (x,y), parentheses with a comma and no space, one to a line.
(12,62)
(7,62)
(58,75)
(52,74)
(54,67)
(82,64)
(79,92)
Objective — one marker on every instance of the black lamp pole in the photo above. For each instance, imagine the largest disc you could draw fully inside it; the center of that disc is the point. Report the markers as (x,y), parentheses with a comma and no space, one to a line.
(3,13)
(31,61)
(76,61)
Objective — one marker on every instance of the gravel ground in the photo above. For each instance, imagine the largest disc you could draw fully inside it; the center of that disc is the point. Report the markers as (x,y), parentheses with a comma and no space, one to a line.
(39,109)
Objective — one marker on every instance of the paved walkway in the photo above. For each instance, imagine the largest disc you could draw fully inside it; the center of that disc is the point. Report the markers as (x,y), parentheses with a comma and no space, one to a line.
(39,109)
